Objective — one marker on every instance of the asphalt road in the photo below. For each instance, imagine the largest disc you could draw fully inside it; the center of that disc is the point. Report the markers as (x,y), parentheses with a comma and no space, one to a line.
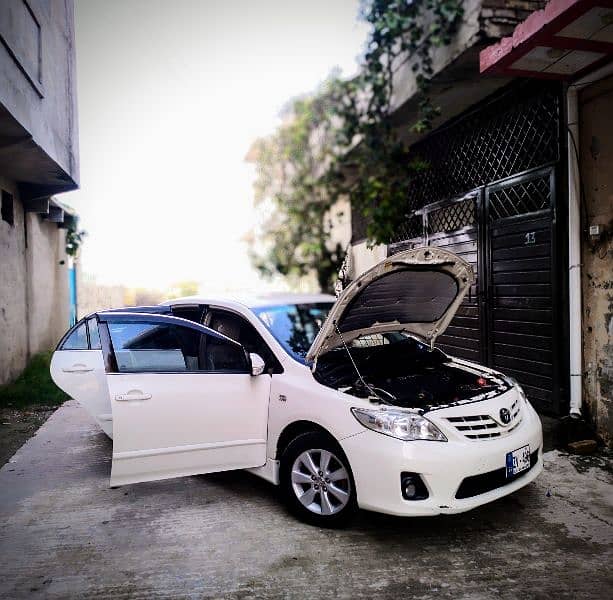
(64,533)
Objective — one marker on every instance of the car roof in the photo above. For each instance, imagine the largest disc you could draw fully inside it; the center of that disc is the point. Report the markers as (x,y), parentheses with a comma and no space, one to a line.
(256,301)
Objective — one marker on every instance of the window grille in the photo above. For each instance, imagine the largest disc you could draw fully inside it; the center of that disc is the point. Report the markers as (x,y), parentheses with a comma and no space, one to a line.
(452,217)
(516,132)
(519,199)
(412,228)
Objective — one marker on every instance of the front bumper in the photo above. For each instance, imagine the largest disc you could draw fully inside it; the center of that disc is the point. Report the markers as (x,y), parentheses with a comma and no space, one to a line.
(378,460)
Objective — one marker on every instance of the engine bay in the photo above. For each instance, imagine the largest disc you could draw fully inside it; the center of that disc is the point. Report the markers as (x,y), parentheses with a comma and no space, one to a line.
(402,371)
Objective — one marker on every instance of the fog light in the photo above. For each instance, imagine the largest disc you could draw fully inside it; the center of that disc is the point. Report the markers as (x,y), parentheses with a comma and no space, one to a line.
(409,488)
(413,487)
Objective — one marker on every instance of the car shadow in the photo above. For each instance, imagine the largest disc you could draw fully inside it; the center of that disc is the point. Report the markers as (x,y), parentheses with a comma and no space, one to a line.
(498,516)
(495,517)
(243,483)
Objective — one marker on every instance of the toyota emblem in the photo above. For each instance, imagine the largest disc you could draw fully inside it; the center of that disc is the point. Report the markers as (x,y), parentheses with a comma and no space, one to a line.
(505,415)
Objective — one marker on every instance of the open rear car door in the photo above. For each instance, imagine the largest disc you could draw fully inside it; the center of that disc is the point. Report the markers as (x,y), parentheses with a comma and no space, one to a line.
(77,367)
(183,399)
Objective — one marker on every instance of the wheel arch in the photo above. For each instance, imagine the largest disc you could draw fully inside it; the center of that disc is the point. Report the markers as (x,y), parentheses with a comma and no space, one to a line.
(293,430)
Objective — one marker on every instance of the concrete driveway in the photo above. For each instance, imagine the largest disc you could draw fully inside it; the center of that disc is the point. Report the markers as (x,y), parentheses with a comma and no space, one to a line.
(64,533)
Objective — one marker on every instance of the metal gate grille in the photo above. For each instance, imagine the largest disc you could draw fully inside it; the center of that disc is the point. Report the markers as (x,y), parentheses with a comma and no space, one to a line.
(513,133)
(526,197)
(452,217)
(492,144)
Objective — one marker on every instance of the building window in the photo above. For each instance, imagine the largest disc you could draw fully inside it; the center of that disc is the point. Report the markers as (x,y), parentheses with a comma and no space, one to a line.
(7,208)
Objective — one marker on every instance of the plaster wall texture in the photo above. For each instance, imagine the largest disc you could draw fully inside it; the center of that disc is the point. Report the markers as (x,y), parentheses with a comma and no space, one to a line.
(13,336)
(47,280)
(339,217)
(38,151)
(482,22)
(596,150)
(468,33)
(37,70)
(34,294)
(363,257)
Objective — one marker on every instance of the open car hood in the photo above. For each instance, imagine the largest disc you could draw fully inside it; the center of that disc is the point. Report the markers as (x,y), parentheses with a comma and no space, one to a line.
(416,291)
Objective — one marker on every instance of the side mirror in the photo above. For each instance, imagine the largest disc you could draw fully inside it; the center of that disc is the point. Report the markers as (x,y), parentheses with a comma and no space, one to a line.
(257,364)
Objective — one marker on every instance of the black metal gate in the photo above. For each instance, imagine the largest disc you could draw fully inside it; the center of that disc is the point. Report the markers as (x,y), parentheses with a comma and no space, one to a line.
(506,228)
(522,286)
(455,227)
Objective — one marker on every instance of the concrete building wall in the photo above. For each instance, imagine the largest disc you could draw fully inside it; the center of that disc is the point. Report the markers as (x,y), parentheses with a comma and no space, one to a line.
(363,257)
(47,283)
(596,150)
(37,71)
(339,217)
(38,158)
(34,302)
(13,326)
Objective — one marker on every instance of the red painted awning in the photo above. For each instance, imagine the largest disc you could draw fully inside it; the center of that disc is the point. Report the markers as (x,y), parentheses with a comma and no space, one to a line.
(565,40)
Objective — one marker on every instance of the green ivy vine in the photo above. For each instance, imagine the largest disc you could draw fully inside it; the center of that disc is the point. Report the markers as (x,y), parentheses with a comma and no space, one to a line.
(74,238)
(370,146)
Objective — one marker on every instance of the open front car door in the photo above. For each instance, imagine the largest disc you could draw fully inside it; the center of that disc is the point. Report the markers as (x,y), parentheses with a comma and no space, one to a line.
(183,399)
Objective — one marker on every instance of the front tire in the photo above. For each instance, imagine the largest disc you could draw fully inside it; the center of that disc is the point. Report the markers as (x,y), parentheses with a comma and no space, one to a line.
(317,482)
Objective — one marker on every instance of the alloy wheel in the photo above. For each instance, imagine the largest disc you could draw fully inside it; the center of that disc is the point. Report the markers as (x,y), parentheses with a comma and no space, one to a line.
(321,482)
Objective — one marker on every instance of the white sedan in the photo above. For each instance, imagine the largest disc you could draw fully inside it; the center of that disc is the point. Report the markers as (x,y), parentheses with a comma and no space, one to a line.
(342,404)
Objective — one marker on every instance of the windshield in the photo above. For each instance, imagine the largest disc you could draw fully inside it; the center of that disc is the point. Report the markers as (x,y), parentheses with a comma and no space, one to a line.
(294,326)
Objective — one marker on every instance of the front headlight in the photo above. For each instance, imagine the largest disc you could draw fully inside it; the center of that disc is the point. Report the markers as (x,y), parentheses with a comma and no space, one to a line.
(398,424)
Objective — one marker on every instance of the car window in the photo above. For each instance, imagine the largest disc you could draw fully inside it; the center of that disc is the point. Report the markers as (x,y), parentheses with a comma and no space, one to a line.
(224,357)
(166,348)
(295,325)
(77,340)
(239,329)
(94,336)
(191,312)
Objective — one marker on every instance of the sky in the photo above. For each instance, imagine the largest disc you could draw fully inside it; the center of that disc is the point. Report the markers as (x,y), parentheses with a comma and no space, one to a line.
(171,96)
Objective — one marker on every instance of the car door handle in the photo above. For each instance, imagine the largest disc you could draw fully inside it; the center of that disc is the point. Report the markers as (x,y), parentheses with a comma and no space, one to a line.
(78,369)
(132,396)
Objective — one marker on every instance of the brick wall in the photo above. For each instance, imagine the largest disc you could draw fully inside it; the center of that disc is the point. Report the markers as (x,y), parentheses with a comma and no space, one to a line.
(500,17)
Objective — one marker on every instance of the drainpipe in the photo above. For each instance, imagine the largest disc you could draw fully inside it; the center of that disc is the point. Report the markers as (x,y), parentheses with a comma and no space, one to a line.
(574,238)
(574,254)
(72,290)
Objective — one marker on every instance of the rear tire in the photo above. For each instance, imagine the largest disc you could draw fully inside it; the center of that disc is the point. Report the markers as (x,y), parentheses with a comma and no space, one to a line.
(316,481)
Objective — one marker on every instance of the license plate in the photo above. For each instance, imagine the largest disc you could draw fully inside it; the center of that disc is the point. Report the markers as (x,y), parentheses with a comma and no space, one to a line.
(518,461)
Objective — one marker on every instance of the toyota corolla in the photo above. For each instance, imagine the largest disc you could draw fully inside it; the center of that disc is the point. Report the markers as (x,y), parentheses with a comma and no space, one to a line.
(344,404)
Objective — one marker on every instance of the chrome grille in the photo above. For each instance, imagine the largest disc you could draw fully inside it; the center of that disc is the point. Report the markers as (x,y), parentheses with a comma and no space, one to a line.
(485,427)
